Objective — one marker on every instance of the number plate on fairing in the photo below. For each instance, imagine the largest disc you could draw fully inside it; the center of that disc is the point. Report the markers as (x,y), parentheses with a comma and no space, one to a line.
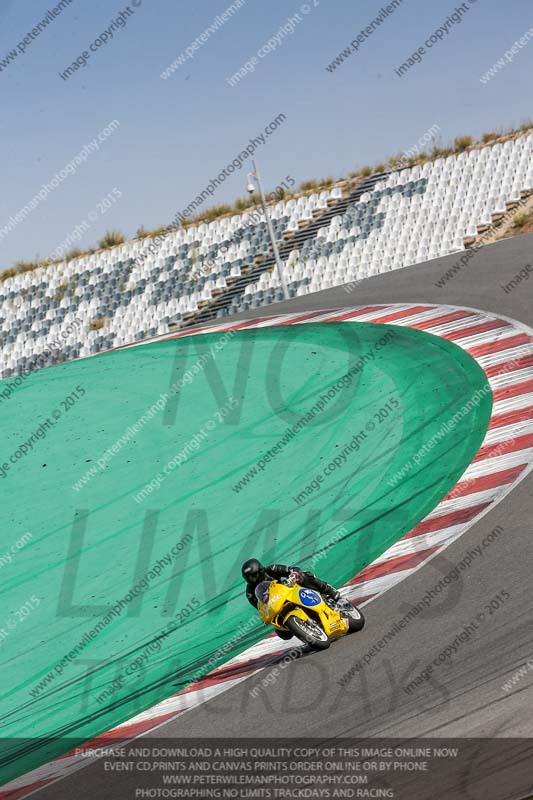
(309,598)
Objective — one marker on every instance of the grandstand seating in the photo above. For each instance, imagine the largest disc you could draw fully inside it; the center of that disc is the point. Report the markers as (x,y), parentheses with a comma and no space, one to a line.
(411,216)
(214,270)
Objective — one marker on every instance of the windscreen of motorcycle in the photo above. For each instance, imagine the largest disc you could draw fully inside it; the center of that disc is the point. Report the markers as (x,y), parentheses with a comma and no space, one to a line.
(262,590)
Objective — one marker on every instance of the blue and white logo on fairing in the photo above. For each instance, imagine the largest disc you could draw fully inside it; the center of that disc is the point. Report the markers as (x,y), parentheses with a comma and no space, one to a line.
(308,597)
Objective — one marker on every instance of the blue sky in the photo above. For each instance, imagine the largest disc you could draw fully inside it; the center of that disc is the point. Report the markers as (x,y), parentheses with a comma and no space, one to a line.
(176,134)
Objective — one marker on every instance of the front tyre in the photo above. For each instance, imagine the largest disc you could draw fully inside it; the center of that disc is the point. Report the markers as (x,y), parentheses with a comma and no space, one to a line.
(308,632)
(356,620)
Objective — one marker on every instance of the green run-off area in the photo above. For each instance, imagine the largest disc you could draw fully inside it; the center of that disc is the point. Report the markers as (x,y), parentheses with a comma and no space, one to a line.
(304,444)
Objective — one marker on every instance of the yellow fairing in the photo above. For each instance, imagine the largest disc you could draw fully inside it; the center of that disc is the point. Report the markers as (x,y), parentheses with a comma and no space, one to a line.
(285,601)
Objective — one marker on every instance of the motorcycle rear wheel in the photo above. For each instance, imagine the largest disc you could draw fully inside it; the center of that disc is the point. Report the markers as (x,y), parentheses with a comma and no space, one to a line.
(308,632)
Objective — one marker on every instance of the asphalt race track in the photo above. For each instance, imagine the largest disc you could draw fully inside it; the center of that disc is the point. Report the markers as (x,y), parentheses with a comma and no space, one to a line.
(465,698)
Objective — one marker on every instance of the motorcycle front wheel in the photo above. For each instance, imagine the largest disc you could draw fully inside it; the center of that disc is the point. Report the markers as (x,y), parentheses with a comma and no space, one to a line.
(308,632)
(356,620)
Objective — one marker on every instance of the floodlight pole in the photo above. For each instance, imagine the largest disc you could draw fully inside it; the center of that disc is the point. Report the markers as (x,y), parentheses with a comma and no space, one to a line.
(279,263)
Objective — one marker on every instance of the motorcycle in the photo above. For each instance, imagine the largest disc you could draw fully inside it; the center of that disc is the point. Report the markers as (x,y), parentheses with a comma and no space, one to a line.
(304,613)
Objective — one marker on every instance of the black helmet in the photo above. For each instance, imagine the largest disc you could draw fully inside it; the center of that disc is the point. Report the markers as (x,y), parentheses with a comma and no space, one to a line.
(252,571)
